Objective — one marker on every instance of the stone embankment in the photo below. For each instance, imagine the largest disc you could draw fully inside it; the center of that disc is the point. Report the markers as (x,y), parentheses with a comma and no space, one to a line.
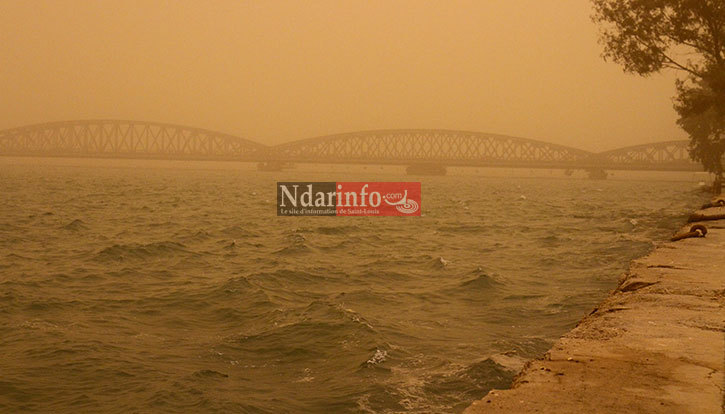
(655,345)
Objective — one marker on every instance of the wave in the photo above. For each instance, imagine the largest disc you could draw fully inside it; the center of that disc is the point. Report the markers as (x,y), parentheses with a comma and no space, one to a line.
(476,287)
(75,225)
(464,228)
(341,245)
(319,330)
(238,232)
(332,230)
(439,263)
(209,374)
(377,358)
(480,280)
(294,250)
(303,340)
(199,236)
(14,256)
(450,387)
(237,244)
(135,251)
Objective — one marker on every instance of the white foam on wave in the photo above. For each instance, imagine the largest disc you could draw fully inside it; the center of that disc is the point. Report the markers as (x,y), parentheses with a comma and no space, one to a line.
(379,357)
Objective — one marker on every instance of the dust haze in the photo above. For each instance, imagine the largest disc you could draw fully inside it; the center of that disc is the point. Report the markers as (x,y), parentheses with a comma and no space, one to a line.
(277,71)
(162,250)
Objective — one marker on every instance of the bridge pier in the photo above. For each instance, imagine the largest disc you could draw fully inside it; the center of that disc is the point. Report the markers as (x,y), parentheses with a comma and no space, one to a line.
(273,166)
(597,173)
(426,169)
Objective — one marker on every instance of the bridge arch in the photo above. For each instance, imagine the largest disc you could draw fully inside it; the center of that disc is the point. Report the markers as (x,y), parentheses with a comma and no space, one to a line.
(661,156)
(448,147)
(125,139)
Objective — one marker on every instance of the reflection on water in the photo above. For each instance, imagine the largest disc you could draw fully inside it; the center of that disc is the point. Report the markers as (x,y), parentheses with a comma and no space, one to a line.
(175,287)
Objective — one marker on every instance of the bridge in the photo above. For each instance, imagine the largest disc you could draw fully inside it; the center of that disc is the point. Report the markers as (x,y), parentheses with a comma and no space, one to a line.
(126,139)
(412,147)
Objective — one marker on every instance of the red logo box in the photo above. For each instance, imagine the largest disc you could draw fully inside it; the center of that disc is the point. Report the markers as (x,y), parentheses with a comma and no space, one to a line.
(378,199)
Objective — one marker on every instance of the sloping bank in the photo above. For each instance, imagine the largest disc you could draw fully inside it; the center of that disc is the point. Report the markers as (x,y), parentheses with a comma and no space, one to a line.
(655,345)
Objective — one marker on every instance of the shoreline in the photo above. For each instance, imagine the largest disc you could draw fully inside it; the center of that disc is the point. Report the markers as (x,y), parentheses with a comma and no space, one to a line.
(656,344)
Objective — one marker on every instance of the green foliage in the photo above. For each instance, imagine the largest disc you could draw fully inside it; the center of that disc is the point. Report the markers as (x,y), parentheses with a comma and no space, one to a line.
(647,36)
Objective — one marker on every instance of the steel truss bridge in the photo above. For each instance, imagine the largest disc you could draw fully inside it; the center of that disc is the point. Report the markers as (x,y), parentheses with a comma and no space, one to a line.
(134,139)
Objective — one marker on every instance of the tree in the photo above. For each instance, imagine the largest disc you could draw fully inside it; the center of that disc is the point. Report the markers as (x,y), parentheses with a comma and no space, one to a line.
(702,115)
(648,36)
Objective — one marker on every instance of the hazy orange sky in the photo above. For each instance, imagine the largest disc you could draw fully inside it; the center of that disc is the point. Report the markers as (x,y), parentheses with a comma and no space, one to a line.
(276,71)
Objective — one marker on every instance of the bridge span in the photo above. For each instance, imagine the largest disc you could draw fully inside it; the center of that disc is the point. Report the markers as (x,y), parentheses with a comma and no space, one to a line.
(439,147)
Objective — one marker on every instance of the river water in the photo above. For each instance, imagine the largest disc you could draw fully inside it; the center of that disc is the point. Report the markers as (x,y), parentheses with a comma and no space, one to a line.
(130,286)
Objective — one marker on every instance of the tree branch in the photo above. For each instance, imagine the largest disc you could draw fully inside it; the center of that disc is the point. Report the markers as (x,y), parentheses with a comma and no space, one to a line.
(677,65)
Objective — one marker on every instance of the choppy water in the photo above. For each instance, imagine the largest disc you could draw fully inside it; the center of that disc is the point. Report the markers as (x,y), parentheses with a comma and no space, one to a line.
(171,287)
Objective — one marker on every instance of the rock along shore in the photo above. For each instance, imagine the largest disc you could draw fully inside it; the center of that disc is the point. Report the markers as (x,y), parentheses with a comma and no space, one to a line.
(655,345)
